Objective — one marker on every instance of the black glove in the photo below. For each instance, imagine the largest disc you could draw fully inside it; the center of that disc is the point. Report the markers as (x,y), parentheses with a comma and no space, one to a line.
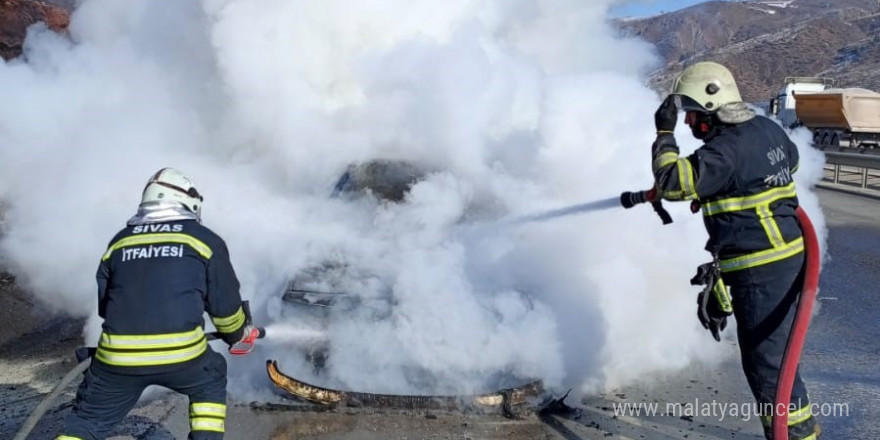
(712,318)
(666,115)
(713,302)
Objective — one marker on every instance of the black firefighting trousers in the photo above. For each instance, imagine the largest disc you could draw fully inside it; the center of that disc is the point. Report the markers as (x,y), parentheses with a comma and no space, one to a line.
(764,304)
(105,397)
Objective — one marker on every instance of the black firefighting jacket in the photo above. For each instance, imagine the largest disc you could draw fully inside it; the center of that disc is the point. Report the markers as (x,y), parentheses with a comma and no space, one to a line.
(742,179)
(155,282)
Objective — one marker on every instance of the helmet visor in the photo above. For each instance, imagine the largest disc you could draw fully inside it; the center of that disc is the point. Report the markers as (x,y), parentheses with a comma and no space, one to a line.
(192,191)
(686,104)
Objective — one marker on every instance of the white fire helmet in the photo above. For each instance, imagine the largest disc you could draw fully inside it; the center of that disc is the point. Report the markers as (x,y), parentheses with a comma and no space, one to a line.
(169,184)
(706,87)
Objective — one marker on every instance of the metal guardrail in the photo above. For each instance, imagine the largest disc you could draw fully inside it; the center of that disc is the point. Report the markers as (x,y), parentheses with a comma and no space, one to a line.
(859,160)
(863,161)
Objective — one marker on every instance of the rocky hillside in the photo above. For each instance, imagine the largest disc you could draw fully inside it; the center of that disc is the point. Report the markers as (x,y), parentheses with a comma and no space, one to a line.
(17,15)
(763,42)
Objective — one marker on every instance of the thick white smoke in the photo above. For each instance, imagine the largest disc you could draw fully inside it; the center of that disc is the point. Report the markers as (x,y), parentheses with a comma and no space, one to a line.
(519,105)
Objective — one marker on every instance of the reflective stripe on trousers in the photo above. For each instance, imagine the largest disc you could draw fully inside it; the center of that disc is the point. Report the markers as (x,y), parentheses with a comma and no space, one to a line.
(206,416)
(800,424)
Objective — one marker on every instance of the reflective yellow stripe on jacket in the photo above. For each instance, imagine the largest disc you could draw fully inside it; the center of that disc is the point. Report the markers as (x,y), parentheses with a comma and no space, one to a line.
(231,323)
(761,258)
(760,203)
(151,350)
(664,160)
(139,240)
(686,180)
(749,202)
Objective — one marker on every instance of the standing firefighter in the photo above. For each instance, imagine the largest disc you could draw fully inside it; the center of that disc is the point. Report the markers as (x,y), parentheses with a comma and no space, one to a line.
(155,281)
(741,178)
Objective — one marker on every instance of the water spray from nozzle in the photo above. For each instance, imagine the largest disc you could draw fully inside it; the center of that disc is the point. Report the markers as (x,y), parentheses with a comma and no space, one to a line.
(597,205)
(294,334)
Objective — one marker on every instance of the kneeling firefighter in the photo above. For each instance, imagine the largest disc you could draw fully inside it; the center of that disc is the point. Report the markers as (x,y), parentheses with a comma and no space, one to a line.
(155,281)
(741,179)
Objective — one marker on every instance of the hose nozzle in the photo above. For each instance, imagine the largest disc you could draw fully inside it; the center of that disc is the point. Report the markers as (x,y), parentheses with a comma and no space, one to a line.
(632,198)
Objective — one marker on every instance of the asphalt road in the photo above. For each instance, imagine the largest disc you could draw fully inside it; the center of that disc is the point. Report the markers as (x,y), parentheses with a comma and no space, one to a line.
(840,366)
(841,361)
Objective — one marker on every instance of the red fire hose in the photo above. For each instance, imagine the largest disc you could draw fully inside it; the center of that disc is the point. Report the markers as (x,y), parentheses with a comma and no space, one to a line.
(798,329)
(795,344)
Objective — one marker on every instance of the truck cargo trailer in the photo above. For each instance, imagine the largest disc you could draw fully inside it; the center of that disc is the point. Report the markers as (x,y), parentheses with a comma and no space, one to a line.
(841,117)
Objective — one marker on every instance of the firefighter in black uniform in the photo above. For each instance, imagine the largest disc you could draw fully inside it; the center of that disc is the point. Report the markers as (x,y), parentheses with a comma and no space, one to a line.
(155,281)
(741,179)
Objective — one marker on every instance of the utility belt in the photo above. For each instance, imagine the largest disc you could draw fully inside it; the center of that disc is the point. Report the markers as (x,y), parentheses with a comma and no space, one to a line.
(151,350)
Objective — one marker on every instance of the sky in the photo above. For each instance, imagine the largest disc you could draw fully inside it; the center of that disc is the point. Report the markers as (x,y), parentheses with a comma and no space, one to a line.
(650,7)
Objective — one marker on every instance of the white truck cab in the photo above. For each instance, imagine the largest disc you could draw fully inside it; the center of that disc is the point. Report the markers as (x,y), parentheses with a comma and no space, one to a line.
(783,105)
